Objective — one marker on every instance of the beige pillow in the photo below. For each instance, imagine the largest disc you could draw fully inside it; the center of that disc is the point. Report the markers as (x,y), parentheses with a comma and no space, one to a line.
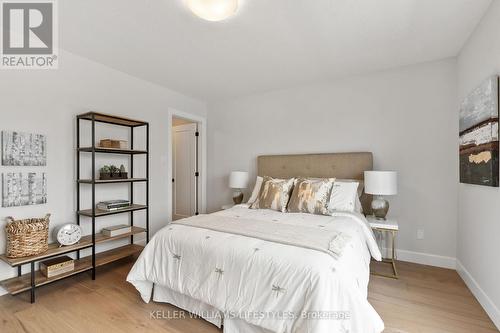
(256,190)
(310,196)
(274,194)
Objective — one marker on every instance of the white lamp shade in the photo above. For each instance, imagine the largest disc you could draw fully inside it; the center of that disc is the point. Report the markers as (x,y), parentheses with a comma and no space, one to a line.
(381,182)
(238,179)
(213,10)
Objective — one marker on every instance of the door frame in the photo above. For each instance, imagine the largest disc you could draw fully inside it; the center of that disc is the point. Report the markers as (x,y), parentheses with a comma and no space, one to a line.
(191,128)
(202,158)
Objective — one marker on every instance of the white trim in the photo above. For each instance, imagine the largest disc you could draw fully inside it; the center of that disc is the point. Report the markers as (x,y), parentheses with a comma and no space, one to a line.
(202,122)
(423,258)
(487,304)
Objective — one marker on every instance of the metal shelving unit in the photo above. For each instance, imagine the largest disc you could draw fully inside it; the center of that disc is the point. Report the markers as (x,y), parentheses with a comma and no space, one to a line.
(34,279)
(94,213)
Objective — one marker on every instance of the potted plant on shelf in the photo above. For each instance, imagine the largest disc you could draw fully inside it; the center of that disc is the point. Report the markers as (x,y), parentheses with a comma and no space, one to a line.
(105,172)
(123,172)
(115,172)
(108,172)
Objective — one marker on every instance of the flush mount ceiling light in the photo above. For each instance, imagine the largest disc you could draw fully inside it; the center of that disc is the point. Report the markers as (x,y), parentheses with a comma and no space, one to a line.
(213,10)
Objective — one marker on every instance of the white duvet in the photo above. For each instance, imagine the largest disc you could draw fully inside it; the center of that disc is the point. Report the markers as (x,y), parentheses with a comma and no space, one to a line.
(275,286)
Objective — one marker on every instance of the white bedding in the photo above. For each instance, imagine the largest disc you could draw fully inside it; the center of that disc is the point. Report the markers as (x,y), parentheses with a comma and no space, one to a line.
(264,284)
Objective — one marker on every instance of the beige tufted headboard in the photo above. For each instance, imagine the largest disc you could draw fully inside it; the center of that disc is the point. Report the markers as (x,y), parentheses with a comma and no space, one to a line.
(338,165)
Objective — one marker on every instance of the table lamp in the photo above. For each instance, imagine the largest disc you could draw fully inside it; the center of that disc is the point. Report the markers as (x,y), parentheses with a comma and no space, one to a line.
(238,180)
(381,183)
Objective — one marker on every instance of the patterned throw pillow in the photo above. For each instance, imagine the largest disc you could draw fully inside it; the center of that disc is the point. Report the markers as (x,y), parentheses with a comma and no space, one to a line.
(310,196)
(274,194)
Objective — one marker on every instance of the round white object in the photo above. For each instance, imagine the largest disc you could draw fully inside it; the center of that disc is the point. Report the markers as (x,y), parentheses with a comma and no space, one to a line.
(68,234)
(213,10)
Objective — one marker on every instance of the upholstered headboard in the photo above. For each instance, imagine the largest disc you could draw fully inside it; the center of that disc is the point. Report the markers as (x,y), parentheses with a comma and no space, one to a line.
(338,165)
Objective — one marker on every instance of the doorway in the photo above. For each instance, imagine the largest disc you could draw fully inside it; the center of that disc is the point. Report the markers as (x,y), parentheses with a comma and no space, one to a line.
(185,166)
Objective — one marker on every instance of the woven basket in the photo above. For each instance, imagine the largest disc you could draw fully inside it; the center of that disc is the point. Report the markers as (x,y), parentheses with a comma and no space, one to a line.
(27,237)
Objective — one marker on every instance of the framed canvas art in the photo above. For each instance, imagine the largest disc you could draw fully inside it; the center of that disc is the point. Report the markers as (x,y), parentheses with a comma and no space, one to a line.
(22,189)
(23,149)
(479,135)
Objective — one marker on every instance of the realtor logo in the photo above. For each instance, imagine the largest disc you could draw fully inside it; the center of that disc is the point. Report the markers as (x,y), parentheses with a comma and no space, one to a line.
(29,38)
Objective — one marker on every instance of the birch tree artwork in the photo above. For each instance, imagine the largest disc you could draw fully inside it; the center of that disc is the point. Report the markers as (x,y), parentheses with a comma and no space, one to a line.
(479,135)
(23,149)
(23,189)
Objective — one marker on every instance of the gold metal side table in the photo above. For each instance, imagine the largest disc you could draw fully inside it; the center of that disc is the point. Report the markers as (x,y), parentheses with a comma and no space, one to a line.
(391,227)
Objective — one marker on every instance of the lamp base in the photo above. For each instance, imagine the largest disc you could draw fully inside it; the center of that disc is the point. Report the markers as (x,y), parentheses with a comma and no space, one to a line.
(237,197)
(380,207)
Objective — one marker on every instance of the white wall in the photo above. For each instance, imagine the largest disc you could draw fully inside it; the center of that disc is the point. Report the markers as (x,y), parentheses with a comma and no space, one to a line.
(46,102)
(406,117)
(478,245)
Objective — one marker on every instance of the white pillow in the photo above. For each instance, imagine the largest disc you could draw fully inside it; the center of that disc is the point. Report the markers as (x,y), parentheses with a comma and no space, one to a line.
(361,184)
(343,197)
(256,190)
(358,207)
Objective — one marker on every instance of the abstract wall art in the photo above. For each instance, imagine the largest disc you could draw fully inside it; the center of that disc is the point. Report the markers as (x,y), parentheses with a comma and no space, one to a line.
(23,149)
(22,189)
(479,135)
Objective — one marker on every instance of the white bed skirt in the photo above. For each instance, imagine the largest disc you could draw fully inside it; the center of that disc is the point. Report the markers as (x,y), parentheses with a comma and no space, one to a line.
(205,311)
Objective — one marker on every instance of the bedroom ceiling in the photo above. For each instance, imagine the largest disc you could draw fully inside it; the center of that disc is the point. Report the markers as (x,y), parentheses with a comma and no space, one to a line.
(268,44)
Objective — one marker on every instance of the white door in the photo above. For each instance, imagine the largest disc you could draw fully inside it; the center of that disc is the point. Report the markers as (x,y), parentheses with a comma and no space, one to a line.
(184,167)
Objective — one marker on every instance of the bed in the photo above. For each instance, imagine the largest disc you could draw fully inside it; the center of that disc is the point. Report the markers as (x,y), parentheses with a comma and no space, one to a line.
(263,271)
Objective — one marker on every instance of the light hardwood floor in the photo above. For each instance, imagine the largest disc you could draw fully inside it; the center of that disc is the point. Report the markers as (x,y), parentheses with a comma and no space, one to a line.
(424,300)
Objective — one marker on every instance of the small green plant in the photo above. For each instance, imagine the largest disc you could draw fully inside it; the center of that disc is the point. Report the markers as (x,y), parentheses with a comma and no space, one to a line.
(122,169)
(105,169)
(113,169)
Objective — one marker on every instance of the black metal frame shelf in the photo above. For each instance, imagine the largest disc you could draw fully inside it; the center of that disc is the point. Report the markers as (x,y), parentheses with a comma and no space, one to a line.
(99,212)
(94,213)
(110,119)
(34,279)
(110,181)
(112,151)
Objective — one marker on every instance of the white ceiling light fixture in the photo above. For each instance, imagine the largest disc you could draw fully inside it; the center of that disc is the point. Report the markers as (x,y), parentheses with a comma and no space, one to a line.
(213,10)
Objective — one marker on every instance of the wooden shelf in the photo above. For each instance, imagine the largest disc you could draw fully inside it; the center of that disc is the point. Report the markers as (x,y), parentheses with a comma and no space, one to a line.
(17,285)
(109,119)
(113,150)
(23,283)
(99,212)
(100,238)
(54,250)
(111,181)
(115,254)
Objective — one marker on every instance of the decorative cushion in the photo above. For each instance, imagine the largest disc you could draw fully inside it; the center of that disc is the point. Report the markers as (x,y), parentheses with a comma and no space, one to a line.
(310,196)
(361,184)
(343,197)
(256,190)
(274,194)
(358,208)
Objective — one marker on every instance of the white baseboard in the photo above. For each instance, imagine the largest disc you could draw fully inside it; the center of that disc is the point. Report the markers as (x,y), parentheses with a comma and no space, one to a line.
(487,304)
(423,258)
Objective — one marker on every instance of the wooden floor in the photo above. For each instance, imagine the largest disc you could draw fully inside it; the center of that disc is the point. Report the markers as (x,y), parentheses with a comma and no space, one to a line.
(424,299)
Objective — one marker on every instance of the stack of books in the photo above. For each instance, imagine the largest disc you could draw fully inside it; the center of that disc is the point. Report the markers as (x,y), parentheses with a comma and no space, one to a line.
(116,230)
(113,205)
(57,266)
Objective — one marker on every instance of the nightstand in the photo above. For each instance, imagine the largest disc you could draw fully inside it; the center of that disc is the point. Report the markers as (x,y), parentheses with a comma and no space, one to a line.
(227,206)
(389,226)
